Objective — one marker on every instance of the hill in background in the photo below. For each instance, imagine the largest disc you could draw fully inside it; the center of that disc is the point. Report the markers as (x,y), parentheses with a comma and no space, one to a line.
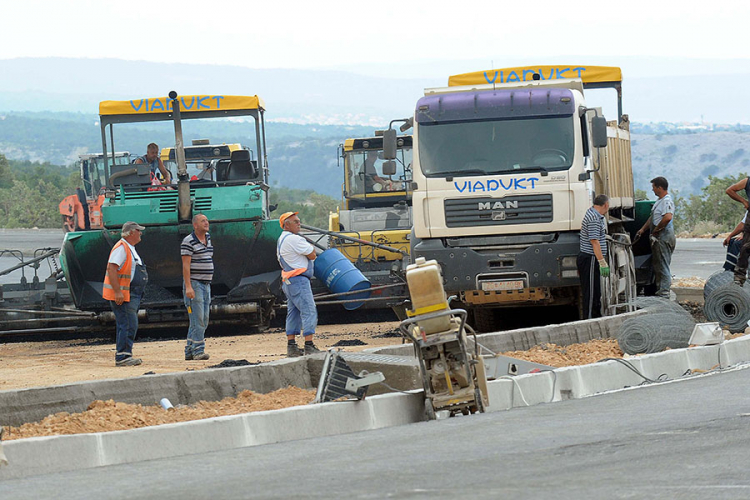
(305,156)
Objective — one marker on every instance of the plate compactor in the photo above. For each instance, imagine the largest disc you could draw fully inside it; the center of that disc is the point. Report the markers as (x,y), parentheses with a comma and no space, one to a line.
(453,378)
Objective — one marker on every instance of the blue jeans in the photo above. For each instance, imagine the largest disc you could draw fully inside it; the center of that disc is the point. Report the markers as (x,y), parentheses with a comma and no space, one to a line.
(662,246)
(126,316)
(301,315)
(198,309)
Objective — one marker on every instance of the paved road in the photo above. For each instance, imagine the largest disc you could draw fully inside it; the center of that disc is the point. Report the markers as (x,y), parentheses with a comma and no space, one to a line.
(678,440)
(698,257)
(26,240)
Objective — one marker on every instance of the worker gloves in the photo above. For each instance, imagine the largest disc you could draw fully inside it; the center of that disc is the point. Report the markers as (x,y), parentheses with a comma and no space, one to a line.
(603,268)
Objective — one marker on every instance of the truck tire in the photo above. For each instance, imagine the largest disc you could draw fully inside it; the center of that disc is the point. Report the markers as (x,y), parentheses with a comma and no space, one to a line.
(484,319)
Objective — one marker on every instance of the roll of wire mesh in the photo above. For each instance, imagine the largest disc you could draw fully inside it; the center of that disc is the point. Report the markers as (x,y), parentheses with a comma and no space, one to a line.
(716,280)
(656,331)
(729,305)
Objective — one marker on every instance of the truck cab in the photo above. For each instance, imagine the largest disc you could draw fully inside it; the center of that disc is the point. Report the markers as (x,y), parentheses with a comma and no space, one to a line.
(505,166)
(376,201)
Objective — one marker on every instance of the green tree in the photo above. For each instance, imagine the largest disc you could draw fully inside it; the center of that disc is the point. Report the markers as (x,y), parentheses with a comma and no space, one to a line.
(712,205)
(6,176)
(313,207)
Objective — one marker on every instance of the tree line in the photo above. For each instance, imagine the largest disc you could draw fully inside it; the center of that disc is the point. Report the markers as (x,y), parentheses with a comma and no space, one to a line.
(30,193)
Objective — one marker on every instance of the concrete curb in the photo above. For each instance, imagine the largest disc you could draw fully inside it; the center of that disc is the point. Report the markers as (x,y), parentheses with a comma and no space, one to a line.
(576,382)
(44,455)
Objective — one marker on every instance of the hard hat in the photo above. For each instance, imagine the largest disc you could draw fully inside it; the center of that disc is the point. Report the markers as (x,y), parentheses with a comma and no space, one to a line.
(285,216)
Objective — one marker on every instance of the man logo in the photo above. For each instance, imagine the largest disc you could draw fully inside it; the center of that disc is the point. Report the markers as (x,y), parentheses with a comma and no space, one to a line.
(498,204)
(498,215)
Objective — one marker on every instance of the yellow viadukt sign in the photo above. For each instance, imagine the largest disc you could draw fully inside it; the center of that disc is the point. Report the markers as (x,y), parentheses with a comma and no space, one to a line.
(588,74)
(188,103)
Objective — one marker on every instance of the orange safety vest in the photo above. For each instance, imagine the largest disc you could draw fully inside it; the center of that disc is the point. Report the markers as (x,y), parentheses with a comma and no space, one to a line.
(123,275)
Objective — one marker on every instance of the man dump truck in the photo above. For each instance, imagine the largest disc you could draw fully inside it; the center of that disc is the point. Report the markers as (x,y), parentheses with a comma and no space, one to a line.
(233,196)
(506,163)
(376,205)
(83,210)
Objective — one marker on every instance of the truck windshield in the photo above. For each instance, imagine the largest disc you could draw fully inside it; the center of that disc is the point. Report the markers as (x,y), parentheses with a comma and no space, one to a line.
(364,170)
(496,147)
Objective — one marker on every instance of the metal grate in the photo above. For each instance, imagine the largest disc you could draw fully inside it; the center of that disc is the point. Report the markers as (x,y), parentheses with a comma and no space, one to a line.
(202,203)
(488,211)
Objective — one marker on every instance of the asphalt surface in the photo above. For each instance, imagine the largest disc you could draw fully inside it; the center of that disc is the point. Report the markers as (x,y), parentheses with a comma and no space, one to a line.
(682,440)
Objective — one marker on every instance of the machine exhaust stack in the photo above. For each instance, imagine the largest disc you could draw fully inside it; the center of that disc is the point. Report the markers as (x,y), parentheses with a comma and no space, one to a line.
(183,183)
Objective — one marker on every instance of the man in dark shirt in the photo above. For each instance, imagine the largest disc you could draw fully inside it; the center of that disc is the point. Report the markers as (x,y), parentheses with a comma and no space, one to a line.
(740,269)
(197,271)
(591,262)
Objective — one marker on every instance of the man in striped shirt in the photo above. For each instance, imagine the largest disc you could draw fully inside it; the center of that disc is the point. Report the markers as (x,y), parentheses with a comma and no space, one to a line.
(197,271)
(591,262)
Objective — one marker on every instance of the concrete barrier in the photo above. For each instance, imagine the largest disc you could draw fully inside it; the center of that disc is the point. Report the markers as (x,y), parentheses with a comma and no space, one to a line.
(44,455)
(526,338)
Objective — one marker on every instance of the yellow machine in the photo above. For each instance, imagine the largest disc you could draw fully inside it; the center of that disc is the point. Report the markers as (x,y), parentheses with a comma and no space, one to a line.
(376,201)
(453,378)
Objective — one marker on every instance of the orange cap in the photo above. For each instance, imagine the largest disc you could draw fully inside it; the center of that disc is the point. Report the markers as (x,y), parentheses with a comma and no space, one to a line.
(285,216)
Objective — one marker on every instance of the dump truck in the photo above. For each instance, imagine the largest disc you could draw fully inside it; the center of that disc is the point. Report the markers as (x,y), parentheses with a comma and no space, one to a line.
(506,163)
(82,210)
(376,207)
(233,195)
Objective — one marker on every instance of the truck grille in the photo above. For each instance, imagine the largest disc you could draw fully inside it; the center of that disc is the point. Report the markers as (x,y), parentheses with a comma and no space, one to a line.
(488,211)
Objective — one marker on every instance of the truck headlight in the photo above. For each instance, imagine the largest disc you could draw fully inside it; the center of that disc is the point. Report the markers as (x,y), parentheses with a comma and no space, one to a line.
(569,261)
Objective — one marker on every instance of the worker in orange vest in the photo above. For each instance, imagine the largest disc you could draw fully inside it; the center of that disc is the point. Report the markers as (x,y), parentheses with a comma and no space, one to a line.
(296,255)
(124,284)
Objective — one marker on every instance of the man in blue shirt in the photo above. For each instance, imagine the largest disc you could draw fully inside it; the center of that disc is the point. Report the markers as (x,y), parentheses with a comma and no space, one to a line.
(662,235)
(591,262)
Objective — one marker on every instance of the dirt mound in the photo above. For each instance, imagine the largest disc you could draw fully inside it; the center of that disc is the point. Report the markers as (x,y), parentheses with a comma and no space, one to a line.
(571,355)
(104,416)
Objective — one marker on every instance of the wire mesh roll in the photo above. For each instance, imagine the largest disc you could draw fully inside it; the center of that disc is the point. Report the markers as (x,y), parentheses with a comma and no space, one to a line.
(729,305)
(655,332)
(716,280)
(659,305)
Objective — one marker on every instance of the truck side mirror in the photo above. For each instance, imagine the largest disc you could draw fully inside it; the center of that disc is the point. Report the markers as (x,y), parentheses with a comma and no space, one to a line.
(389,168)
(389,144)
(599,131)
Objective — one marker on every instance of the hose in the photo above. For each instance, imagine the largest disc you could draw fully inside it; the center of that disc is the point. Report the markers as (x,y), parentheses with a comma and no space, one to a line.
(729,305)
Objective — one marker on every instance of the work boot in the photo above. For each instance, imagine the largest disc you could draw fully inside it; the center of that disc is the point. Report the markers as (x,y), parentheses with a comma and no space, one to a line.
(310,349)
(131,361)
(201,357)
(292,351)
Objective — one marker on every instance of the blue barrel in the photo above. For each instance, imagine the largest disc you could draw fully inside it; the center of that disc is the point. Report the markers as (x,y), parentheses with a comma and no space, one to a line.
(339,275)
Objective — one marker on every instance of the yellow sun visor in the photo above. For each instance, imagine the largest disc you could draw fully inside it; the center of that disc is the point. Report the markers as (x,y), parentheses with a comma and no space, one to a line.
(188,103)
(588,74)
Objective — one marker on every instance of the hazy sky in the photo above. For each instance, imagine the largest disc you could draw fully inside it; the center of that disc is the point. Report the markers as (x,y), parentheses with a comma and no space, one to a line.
(356,34)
